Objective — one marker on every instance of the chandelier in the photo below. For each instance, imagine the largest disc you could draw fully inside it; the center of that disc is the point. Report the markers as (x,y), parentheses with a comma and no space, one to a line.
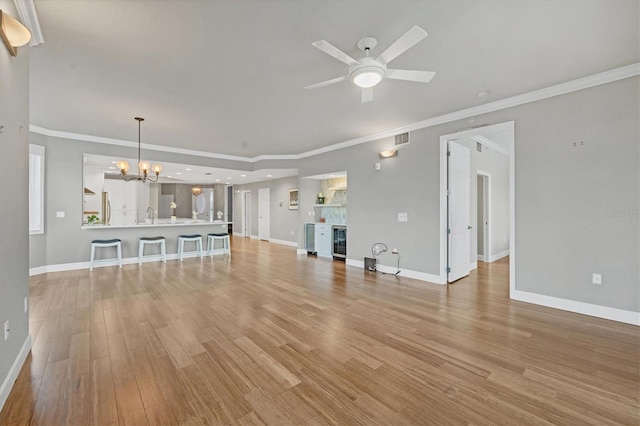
(143,166)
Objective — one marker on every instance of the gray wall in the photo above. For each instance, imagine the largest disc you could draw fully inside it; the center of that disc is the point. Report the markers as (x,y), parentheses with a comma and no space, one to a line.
(14,188)
(283,224)
(576,207)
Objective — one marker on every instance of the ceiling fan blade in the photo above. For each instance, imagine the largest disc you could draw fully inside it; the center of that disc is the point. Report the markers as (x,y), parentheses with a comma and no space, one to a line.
(404,43)
(410,75)
(330,49)
(367,94)
(326,83)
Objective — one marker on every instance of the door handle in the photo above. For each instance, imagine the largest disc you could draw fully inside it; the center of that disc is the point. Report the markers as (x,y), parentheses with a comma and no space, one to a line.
(469,227)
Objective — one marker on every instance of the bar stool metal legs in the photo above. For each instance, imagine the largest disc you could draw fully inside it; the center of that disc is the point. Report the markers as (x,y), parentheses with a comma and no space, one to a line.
(106,243)
(190,238)
(152,240)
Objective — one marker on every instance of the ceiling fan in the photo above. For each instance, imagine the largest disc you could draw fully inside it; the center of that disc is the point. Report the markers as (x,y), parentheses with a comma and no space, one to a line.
(367,71)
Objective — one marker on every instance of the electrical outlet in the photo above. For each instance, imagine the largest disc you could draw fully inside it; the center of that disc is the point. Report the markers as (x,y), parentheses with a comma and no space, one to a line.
(26,304)
(597,278)
(60,214)
(403,217)
(6,330)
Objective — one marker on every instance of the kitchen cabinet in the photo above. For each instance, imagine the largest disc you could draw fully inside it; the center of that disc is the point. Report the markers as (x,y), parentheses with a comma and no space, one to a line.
(323,239)
(122,197)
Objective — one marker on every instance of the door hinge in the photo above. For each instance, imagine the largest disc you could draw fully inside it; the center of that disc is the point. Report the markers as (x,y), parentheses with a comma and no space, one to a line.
(448,269)
(448,231)
(448,193)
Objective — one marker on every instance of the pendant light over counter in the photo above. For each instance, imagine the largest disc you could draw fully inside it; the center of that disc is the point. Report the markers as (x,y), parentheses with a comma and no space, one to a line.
(143,166)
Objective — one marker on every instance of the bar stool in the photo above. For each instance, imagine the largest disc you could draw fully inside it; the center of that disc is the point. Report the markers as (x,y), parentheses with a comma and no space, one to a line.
(117,243)
(152,240)
(187,238)
(211,242)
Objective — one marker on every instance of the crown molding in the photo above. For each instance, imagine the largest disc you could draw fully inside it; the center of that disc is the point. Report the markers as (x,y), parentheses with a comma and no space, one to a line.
(536,95)
(29,17)
(119,142)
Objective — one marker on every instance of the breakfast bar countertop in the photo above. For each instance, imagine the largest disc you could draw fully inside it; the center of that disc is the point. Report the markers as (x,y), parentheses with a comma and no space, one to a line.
(179,222)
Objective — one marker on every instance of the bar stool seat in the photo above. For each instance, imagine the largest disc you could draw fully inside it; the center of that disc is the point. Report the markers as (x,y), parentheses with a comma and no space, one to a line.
(211,241)
(196,238)
(143,241)
(117,243)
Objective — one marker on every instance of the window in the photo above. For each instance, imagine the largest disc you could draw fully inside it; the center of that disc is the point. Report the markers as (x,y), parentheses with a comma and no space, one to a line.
(36,189)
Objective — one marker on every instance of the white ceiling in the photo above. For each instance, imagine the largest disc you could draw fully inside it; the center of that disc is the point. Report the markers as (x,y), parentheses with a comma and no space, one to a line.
(191,174)
(228,76)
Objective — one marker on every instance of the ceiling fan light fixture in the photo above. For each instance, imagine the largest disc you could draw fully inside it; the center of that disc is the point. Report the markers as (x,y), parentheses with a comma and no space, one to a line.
(13,33)
(368,76)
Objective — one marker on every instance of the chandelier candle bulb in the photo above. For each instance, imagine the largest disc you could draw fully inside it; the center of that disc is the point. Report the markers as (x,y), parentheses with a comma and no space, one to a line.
(123,166)
(144,166)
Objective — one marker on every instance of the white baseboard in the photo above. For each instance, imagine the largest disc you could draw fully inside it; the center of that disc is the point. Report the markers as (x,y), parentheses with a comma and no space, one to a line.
(498,256)
(422,276)
(481,257)
(284,242)
(8,382)
(238,234)
(254,237)
(620,315)
(301,251)
(61,267)
(473,265)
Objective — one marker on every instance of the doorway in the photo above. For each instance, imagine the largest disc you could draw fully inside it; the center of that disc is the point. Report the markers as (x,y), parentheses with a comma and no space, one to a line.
(483,209)
(264,215)
(246,214)
(506,147)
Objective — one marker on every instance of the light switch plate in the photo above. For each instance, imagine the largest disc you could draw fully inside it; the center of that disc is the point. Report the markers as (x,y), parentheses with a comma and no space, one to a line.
(402,217)
(59,214)
(377,166)
(597,278)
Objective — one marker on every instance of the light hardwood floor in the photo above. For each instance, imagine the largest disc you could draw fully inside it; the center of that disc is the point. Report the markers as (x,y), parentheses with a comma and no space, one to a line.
(272,337)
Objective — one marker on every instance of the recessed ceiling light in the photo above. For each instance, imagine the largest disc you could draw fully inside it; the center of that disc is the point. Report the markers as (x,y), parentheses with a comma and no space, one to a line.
(243,175)
(482,94)
(226,183)
(188,170)
(178,173)
(268,175)
(217,180)
(332,175)
(114,162)
(228,178)
(111,168)
(169,176)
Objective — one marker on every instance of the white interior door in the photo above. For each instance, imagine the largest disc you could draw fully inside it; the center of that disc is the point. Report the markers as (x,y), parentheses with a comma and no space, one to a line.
(246,213)
(264,218)
(459,211)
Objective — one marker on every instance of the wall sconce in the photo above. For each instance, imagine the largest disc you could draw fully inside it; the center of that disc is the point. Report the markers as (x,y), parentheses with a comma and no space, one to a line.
(196,190)
(388,153)
(13,33)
